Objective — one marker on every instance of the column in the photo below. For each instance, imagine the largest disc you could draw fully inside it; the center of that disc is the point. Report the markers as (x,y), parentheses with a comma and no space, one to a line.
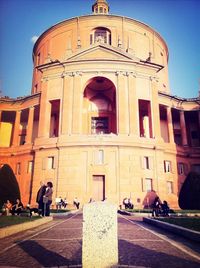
(30,125)
(183,128)
(122,104)
(45,112)
(133,106)
(66,119)
(77,105)
(155,110)
(15,141)
(170,125)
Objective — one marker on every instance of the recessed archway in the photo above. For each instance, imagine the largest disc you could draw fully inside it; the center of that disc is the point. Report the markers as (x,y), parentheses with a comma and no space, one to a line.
(99,109)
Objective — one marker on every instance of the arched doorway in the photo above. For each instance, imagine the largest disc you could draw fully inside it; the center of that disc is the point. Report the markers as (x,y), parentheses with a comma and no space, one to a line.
(99,109)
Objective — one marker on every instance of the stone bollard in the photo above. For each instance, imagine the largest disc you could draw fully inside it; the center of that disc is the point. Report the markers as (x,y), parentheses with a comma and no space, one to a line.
(100,241)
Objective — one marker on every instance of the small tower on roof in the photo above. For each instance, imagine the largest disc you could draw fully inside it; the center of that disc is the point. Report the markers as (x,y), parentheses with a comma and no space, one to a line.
(100,7)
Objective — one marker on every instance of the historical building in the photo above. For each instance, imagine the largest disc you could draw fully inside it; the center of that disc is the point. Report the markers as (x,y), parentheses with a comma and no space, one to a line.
(100,121)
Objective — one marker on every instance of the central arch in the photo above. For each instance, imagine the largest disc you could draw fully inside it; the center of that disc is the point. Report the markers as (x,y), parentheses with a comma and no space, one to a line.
(99,106)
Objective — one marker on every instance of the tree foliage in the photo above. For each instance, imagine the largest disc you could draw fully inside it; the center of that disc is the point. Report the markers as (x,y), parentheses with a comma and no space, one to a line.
(189,197)
(9,188)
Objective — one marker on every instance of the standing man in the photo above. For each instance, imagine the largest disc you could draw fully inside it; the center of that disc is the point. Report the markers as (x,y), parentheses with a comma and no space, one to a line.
(39,198)
(47,198)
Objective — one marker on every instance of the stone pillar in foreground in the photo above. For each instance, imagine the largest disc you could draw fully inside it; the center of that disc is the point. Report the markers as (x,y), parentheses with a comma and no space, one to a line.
(100,241)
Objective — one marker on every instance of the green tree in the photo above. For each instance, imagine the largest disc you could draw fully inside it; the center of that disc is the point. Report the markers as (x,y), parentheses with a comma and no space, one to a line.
(189,197)
(9,188)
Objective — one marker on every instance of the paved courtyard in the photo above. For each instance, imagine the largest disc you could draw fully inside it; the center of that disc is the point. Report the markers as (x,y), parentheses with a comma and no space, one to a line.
(58,244)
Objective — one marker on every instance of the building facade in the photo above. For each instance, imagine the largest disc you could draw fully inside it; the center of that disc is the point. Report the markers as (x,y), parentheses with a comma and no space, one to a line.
(100,121)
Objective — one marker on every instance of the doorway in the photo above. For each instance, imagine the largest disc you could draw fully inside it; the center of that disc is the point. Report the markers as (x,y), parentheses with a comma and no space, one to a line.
(98,187)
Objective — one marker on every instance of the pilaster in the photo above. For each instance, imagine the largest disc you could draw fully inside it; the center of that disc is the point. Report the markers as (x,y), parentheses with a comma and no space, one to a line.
(155,109)
(77,104)
(122,100)
(45,112)
(66,119)
(133,106)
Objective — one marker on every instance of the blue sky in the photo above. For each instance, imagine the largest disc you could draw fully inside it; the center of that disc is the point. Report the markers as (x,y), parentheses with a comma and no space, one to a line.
(177,21)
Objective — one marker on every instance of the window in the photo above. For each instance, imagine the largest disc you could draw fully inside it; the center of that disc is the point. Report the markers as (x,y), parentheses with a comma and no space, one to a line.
(146,162)
(181,169)
(50,162)
(18,168)
(30,167)
(167,166)
(101,9)
(100,35)
(99,157)
(169,187)
(148,185)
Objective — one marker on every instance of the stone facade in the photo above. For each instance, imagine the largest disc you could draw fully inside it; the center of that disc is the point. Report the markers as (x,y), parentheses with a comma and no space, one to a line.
(100,121)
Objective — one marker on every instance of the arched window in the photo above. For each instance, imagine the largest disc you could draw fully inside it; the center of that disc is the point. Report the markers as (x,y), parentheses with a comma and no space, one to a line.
(100,35)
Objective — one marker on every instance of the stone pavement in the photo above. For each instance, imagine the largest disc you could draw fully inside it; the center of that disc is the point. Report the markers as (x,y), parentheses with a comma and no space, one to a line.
(58,244)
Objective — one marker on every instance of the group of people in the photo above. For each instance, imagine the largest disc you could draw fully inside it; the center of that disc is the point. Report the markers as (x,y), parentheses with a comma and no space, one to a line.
(160,208)
(128,203)
(61,203)
(13,209)
(44,198)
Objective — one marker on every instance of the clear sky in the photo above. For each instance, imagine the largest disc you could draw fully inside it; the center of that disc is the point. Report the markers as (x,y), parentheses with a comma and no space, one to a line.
(177,21)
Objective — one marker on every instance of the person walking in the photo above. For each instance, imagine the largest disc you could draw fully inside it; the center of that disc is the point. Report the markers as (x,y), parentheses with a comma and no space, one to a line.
(39,198)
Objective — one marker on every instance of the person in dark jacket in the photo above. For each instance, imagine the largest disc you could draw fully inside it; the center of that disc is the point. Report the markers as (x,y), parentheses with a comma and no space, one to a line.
(39,198)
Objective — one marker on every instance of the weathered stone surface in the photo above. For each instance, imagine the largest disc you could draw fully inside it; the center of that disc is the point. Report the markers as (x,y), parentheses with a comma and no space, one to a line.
(100,243)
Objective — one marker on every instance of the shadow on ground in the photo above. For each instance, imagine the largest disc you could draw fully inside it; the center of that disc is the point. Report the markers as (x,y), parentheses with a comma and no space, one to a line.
(137,255)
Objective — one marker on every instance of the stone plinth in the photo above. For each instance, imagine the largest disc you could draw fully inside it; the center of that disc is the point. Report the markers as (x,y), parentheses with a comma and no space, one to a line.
(100,242)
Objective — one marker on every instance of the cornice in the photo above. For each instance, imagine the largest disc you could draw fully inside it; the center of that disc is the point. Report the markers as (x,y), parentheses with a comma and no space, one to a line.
(179,99)
(7,99)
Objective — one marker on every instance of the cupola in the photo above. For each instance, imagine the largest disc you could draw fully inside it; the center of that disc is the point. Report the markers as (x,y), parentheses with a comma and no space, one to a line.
(100,7)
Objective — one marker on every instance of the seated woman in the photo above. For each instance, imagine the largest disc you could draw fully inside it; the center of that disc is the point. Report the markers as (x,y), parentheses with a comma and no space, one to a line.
(17,208)
(7,208)
(165,208)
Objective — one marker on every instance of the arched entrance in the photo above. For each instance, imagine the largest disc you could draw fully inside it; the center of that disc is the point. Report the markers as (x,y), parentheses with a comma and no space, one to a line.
(99,109)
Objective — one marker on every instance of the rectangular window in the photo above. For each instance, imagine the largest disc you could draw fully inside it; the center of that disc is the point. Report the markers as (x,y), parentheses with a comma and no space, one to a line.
(99,157)
(101,10)
(181,169)
(18,168)
(50,162)
(146,162)
(167,166)
(169,187)
(30,167)
(148,185)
